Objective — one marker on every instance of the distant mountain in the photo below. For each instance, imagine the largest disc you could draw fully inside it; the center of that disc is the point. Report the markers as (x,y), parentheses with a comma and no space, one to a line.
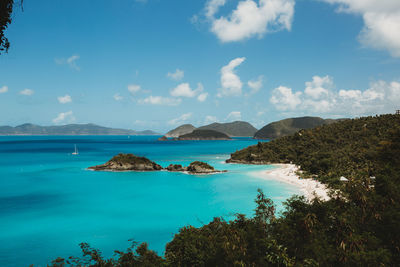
(233,129)
(69,129)
(181,130)
(204,135)
(290,126)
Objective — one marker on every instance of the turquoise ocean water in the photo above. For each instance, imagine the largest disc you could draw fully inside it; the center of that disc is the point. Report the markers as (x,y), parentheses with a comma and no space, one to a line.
(49,202)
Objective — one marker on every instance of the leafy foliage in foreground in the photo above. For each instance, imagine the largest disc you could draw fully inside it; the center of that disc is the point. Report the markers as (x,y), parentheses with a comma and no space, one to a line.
(6,7)
(358,226)
(346,148)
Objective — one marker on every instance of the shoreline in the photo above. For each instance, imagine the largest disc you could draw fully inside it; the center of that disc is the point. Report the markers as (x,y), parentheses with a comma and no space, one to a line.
(286,173)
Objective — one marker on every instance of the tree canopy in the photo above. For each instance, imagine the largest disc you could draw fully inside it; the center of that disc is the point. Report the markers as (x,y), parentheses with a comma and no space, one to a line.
(6,7)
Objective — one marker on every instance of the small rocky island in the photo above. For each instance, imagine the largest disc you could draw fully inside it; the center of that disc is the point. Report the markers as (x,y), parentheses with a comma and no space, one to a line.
(130,162)
(196,167)
(127,162)
(204,135)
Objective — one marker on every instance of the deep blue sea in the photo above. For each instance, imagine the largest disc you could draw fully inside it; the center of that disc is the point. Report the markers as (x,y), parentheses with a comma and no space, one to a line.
(49,202)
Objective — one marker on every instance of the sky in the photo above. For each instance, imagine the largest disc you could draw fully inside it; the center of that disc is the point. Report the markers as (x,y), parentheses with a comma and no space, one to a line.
(156,64)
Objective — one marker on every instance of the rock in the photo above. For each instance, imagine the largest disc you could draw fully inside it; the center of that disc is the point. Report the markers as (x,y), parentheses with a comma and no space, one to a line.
(175,168)
(162,138)
(127,162)
(198,167)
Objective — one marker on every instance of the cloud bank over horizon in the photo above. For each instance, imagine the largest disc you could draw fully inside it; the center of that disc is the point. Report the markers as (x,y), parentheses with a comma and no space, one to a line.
(321,97)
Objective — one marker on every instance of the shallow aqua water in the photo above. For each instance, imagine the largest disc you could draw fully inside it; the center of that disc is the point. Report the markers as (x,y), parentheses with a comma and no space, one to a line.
(49,202)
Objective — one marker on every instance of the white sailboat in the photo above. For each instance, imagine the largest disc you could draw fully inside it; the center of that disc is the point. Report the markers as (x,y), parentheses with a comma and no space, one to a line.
(75,152)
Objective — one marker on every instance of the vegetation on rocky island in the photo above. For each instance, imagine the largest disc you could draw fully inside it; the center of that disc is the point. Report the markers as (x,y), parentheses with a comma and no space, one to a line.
(204,135)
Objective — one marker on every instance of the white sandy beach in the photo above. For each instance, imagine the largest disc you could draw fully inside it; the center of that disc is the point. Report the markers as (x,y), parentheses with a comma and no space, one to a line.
(286,173)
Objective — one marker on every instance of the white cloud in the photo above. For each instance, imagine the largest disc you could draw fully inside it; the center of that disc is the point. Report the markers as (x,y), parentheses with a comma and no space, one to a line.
(134,88)
(381,22)
(318,87)
(3,89)
(180,120)
(210,119)
(230,81)
(255,85)
(202,97)
(284,99)
(71,62)
(250,18)
(350,94)
(318,106)
(234,116)
(212,7)
(380,97)
(64,117)
(160,100)
(317,96)
(27,92)
(184,90)
(177,75)
(64,99)
(117,97)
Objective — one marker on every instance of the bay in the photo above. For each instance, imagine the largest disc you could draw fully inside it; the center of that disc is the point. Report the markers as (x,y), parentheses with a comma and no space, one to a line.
(50,202)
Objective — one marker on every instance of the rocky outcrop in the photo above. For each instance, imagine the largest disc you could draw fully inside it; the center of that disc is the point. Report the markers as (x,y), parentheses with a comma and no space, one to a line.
(127,162)
(162,138)
(175,168)
(198,167)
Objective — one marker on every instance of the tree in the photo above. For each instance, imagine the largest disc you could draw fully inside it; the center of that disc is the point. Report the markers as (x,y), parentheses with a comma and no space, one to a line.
(6,7)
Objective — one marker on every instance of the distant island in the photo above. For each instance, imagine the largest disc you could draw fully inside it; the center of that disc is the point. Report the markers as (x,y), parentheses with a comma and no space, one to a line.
(290,126)
(69,129)
(213,131)
(181,130)
(204,135)
(130,162)
(232,129)
(270,131)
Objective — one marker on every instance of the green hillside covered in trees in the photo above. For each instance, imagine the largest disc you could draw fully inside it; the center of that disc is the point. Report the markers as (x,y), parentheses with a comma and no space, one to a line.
(346,148)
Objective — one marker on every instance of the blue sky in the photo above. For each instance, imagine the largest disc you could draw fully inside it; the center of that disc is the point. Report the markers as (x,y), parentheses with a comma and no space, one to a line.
(156,64)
